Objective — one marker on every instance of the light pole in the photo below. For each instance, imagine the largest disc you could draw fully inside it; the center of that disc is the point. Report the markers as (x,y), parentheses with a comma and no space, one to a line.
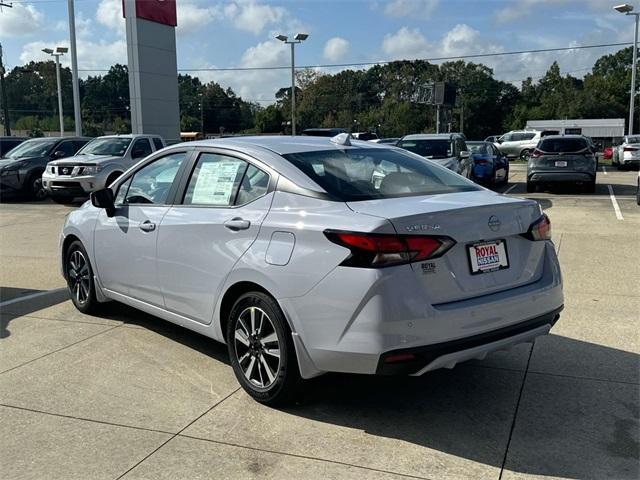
(299,38)
(57,54)
(74,69)
(628,10)
(201,115)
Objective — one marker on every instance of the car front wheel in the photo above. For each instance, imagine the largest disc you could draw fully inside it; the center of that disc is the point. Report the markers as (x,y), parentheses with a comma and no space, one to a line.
(34,188)
(525,154)
(79,276)
(261,350)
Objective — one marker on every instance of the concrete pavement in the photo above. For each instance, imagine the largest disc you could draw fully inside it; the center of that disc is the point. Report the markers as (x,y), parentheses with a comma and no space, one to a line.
(126,395)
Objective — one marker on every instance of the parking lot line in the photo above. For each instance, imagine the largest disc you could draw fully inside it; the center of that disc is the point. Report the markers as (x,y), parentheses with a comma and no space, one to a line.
(614,202)
(510,188)
(604,170)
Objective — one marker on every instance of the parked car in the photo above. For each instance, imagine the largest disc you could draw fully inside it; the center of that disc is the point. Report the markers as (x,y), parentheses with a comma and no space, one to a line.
(389,141)
(364,136)
(21,169)
(446,149)
(520,143)
(492,139)
(7,143)
(566,158)
(627,153)
(97,165)
(323,132)
(302,265)
(638,189)
(488,166)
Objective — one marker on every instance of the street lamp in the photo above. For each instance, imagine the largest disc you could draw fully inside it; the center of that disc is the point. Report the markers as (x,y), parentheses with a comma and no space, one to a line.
(628,10)
(201,115)
(299,38)
(57,54)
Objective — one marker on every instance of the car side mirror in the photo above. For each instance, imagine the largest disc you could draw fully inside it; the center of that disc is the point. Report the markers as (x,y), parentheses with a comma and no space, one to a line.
(464,154)
(104,199)
(499,140)
(59,154)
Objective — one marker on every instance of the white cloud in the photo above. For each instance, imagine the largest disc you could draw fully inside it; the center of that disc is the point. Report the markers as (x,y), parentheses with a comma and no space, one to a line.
(253,17)
(335,49)
(109,14)
(523,8)
(192,17)
(91,55)
(405,44)
(411,8)
(20,21)
(253,84)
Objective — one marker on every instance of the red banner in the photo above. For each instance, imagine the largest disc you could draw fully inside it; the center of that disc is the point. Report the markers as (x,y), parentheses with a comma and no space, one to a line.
(160,11)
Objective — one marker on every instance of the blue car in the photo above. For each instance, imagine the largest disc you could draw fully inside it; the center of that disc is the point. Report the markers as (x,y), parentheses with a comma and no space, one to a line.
(488,166)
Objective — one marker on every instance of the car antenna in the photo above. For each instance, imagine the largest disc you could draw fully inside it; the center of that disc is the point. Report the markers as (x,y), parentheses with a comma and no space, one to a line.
(342,139)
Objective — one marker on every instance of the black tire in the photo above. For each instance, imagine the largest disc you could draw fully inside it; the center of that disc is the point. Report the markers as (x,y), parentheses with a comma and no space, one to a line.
(531,187)
(112,178)
(33,188)
(590,187)
(524,154)
(79,275)
(62,199)
(622,167)
(276,380)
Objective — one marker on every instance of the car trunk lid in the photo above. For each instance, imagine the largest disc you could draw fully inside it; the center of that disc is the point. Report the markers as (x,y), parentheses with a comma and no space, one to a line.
(469,218)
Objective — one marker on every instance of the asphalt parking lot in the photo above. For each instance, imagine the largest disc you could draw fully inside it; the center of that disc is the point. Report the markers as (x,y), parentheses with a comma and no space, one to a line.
(126,395)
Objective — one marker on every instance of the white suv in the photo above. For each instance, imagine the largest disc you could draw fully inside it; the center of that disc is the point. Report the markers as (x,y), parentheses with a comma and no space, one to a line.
(519,143)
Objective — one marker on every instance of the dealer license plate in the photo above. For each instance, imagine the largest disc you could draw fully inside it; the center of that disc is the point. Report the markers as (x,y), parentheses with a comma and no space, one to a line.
(561,163)
(488,257)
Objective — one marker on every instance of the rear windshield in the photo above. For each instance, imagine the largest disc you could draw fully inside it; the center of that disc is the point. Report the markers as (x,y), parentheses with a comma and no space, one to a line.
(633,139)
(367,174)
(477,147)
(435,148)
(563,145)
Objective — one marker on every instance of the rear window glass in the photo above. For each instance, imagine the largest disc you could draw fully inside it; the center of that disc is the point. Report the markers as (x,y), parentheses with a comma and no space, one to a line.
(428,148)
(562,145)
(478,147)
(367,174)
(633,140)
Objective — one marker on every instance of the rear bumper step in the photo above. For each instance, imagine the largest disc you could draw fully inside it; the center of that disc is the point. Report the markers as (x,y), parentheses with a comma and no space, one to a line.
(447,354)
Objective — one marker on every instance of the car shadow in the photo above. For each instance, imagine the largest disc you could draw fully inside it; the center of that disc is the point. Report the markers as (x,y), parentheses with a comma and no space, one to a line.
(461,412)
(19,306)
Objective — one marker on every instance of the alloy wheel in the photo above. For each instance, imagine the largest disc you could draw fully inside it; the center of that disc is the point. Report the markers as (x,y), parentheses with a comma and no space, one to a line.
(79,276)
(257,347)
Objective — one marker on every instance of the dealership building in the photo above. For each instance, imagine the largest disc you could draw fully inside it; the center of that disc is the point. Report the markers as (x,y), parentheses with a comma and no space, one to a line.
(609,131)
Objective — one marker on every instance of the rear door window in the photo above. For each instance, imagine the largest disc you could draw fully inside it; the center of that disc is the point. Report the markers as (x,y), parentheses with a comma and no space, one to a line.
(157,143)
(215,181)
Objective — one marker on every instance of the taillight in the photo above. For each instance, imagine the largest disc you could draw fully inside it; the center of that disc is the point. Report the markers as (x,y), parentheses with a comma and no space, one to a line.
(630,149)
(481,161)
(540,229)
(537,153)
(372,250)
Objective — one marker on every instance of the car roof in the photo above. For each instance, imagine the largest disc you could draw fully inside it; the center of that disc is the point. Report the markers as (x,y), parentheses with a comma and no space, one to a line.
(282,144)
(556,137)
(130,135)
(269,149)
(431,136)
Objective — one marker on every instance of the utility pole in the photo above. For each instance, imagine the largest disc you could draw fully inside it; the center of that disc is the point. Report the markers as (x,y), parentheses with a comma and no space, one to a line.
(74,69)
(5,107)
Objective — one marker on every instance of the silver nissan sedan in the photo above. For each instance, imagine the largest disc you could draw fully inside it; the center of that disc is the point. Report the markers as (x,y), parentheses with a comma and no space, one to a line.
(309,255)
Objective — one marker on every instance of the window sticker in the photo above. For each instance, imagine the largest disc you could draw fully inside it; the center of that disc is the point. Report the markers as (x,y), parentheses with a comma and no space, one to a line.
(216,182)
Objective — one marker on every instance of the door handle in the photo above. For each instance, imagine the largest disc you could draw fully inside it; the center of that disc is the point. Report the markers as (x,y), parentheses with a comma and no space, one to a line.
(237,223)
(147,226)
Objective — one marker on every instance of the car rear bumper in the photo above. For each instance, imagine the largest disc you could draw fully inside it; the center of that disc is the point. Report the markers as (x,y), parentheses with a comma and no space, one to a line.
(630,161)
(448,354)
(342,332)
(552,176)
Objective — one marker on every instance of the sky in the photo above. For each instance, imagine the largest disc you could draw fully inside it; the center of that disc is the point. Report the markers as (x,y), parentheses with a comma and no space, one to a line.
(240,33)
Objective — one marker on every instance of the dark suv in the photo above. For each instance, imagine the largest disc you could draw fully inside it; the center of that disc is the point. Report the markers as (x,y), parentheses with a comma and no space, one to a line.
(21,169)
(562,158)
(7,143)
